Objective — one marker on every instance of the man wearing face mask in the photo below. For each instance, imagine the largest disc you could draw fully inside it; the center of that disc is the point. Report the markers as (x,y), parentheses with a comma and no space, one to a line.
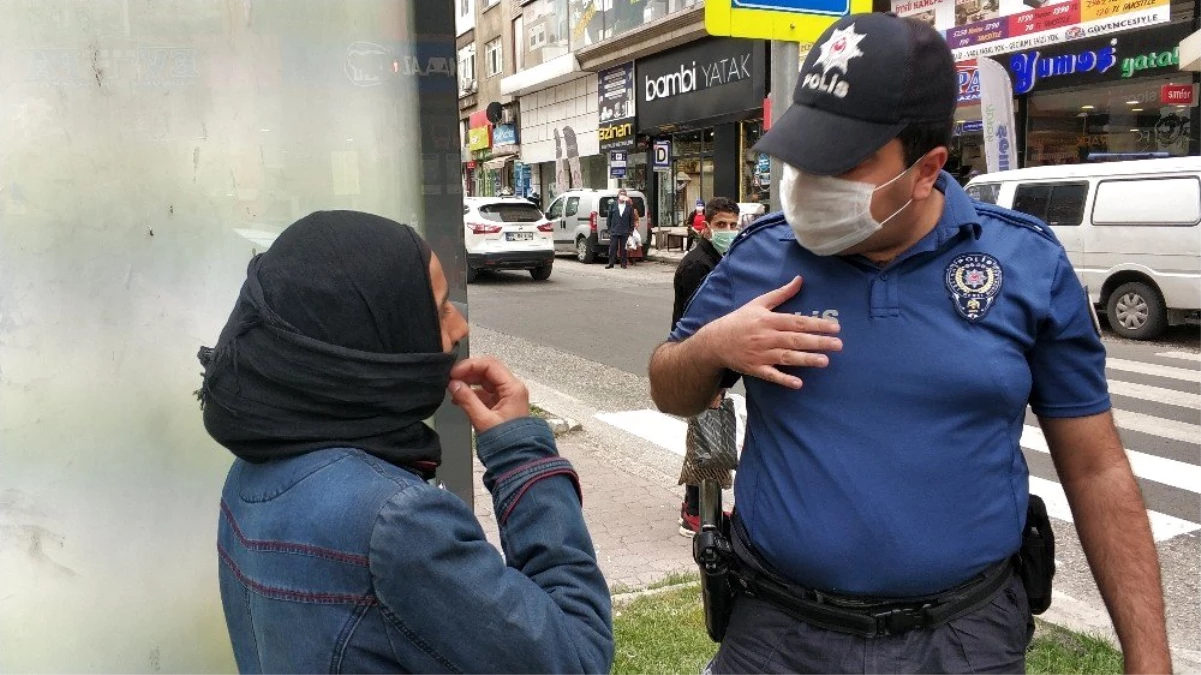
(717,233)
(882,508)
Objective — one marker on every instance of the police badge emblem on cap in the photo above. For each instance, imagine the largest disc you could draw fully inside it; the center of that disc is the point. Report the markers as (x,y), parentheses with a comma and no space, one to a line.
(974,280)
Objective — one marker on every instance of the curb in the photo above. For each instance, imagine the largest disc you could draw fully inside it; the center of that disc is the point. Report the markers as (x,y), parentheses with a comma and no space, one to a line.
(559,424)
(629,596)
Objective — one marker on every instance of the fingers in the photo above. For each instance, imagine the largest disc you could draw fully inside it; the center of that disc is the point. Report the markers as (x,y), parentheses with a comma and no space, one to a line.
(773,375)
(773,299)
(800,324)
(485,371)
(466,398)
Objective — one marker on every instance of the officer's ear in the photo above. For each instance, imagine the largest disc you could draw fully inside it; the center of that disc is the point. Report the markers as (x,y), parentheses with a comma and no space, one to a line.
(926,172)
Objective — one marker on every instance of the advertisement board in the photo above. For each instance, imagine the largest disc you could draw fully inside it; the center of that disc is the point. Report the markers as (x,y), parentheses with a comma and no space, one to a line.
(616,107)
(975,28)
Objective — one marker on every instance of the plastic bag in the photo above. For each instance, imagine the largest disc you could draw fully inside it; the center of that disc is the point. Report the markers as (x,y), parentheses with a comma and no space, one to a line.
(634,242)
(712,438)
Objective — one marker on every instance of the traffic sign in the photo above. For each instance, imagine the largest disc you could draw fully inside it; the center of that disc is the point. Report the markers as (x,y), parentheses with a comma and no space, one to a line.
(784,20)
(662,158)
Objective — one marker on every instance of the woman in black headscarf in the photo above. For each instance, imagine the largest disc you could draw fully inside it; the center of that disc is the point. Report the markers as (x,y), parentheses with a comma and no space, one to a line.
(336,550)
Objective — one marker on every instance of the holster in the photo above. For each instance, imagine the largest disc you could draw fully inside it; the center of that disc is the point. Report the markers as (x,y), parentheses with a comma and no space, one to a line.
(713,554)
(1036,560)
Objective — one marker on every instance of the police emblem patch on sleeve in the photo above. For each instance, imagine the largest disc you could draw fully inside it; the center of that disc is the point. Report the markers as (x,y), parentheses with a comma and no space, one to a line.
(974,280)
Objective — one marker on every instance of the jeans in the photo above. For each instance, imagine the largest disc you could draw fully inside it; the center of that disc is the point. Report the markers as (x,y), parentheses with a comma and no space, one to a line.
(617,246)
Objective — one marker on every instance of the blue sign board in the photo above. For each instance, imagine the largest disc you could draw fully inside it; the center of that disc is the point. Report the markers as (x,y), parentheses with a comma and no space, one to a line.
(504,134)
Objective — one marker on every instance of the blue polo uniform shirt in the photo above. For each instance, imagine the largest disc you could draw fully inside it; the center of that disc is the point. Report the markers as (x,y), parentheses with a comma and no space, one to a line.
(897,470)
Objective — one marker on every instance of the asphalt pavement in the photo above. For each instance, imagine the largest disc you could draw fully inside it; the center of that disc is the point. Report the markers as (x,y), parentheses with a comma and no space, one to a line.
(582,340)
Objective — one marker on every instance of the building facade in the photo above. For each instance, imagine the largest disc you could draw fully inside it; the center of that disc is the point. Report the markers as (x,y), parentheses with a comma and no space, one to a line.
(1092,81)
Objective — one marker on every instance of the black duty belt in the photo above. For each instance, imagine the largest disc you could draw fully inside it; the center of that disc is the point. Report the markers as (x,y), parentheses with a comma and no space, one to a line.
(873,618)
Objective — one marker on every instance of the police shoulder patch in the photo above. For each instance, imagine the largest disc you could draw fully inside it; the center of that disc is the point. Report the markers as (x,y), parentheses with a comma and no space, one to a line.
(974,280)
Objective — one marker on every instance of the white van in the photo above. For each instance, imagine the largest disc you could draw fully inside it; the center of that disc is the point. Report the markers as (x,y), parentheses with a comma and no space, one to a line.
(581,222)
(1129,228)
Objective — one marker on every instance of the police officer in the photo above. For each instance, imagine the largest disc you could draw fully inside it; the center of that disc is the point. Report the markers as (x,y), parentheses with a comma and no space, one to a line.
(879,505)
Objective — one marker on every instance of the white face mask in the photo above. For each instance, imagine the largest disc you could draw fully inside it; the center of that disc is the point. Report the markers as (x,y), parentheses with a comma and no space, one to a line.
(828,215)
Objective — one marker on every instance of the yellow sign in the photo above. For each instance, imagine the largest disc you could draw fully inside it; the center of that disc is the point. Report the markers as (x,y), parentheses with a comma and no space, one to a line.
(784,20)
(479,138)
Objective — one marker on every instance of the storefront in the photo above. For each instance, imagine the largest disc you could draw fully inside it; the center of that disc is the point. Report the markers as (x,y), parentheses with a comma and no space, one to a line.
(1117,97)
(701,108)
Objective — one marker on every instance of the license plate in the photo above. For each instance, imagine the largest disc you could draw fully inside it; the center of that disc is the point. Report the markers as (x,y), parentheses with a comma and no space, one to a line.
(519,236)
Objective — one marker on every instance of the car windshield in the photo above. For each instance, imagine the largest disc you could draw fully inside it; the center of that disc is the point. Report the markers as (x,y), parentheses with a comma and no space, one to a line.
(511,213)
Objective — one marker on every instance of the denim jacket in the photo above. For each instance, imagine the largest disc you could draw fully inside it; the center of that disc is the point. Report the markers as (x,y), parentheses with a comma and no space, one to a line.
(336,561)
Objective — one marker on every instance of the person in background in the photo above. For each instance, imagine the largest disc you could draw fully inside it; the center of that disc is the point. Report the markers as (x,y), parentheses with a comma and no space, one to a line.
(717,233)
(697,224)
(622,219)
(334,546)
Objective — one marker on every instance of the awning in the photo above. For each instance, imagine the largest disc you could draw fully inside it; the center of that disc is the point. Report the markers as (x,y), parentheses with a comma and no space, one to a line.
(498,162)
(1190,53)
(545,75)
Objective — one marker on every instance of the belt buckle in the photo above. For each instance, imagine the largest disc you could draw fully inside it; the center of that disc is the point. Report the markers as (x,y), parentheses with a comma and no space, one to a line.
(897,621)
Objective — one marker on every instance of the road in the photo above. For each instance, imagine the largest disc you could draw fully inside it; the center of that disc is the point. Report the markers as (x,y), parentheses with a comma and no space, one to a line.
(584,338)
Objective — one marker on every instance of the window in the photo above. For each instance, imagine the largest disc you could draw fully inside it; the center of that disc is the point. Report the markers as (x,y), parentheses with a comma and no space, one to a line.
(1053,203)
(511,213)
(518,45)
(491,3)
(537,36)
(1163,201)
(467,69)
(984,192)
(573,206)
(607,202)
(556,209)
(494,59)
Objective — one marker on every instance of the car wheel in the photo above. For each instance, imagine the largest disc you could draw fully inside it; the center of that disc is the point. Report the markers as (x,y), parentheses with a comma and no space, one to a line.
(584,251)
(1136,311)
(472,274)
(541,273)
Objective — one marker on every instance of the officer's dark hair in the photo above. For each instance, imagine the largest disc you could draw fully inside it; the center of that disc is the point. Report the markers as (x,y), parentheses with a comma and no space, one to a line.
(720,205)
(919,138)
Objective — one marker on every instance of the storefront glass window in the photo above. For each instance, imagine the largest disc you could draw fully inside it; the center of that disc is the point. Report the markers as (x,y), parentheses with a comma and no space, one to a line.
(755,180)
(1109,123)
(593,21)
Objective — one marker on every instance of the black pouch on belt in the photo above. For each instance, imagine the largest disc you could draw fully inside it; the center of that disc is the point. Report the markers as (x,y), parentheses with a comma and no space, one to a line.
(1036,559)
(713,554)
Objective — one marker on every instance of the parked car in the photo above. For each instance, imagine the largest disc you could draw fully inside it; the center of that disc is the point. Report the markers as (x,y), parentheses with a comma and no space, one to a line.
(507,233)
(581,223)
(1130,230)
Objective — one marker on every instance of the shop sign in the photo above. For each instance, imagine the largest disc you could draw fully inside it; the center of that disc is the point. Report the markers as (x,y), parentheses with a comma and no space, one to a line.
(976,28)
(1134,54)
(616,107)
(504,134)
(969,83)
(662,156)
(1176,94)
(479,138)
(701,80)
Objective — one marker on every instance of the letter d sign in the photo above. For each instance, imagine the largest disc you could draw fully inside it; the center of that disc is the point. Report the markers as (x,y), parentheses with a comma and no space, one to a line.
(662,156)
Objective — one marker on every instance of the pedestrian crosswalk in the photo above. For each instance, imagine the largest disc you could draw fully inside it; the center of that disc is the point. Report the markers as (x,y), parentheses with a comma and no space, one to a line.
(1157,403)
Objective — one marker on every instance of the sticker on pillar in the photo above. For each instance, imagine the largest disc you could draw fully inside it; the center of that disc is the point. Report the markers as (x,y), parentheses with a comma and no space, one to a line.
(974,280)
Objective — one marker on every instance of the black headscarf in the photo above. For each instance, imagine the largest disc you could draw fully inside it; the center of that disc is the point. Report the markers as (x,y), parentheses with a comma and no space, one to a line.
(335,341)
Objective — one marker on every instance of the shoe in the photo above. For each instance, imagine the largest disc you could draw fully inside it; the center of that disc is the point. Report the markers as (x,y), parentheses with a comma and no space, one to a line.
(608,267)
(689,524)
